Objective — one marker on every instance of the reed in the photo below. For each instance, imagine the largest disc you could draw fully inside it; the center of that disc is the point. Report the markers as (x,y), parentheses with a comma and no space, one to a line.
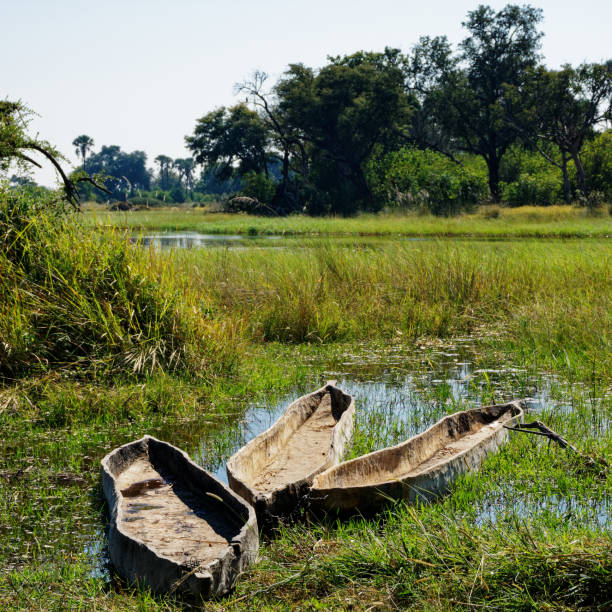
(108,341)
(551,298)
(92,303)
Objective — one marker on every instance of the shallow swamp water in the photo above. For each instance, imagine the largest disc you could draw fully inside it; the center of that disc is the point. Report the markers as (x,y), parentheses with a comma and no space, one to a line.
(168,240)
(398,391)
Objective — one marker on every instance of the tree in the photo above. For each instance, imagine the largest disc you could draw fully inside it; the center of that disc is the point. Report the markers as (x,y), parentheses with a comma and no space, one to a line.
(342,113)
(564,107)
(16,145)
(235,140)
(124,172)
(467,94)
(209,182)
(165,164)
(431,61)
(185,168)
(283,135)
(82,145)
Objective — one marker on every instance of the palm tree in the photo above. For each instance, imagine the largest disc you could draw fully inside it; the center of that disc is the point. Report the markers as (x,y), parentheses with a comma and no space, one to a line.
(82,145)
(185,169)
(165,163)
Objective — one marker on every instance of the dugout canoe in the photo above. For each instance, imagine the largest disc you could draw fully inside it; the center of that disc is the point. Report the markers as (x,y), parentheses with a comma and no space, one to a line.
(174,526)
(274,471)
(422,468)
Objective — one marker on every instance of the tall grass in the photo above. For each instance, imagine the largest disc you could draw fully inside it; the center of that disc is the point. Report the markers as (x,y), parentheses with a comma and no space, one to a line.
(91,302)
(529,531)
(552,297)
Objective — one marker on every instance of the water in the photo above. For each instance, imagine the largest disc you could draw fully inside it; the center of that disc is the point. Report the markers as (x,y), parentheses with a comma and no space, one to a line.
(398,393)
(190,240)
(396,399)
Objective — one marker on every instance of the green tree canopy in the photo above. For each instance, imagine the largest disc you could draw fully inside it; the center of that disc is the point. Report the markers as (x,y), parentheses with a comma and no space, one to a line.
(123,172)
(16,146)
(342,112)
(82,145)
(467,92)
(185,168)
(564,107)
(165,165)
(235,140)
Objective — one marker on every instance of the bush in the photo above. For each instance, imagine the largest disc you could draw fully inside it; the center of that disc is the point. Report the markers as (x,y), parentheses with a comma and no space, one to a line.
(597,163)
(146,201)
(258,186)
(426,179)
(88,302)
(177,195)
(542,189)
(528,179)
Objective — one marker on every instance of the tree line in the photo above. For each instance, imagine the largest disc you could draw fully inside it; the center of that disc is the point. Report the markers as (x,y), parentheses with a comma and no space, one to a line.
(127,177)
(438,128)
(358,133)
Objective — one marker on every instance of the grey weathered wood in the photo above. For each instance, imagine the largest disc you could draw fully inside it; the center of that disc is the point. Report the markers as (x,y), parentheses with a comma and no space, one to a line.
(273,472)
(421,468)
(544,430)
(172,524)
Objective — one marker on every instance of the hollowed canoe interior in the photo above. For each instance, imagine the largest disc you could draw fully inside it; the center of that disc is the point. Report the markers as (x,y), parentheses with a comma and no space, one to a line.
(292,452)
(450,436)
(171,507)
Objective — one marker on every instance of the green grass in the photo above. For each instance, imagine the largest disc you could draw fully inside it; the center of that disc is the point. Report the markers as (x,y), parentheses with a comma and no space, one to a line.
(54,433)
(524,532)
(559,221)
(92,303)
(531,530)
(547,300)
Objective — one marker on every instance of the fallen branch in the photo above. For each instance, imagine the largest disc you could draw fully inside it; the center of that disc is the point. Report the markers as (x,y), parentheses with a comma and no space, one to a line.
(547,432)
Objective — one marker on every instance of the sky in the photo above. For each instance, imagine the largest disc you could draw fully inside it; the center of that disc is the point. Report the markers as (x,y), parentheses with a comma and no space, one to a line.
(138,73)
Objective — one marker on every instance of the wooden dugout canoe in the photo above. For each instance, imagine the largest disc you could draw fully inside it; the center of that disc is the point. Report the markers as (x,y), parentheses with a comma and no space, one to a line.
(273,472)
(172,524)
(422,468)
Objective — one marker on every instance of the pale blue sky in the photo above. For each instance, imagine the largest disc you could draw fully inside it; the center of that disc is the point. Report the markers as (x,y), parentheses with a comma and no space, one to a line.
(138,73)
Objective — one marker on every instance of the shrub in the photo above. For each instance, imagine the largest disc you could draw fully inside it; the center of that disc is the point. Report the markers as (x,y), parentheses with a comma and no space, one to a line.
(146,201)
(542,189)
(416,179)
(528,179)
(597,162)
(258,186)
(177,195)
(85,301)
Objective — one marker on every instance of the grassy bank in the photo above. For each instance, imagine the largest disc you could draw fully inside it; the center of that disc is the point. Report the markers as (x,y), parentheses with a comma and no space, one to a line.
(530,530)
(92,303)
(81,308)
(559,221)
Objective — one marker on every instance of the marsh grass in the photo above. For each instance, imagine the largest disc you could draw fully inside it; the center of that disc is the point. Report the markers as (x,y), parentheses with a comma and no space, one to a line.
(81,308)
(547,300)
(530,530)
(54,433)
(91,303)
(524,221)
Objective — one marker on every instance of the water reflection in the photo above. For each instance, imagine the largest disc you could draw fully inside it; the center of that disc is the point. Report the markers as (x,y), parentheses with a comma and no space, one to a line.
(395,400)
(398,393)
(190,240)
